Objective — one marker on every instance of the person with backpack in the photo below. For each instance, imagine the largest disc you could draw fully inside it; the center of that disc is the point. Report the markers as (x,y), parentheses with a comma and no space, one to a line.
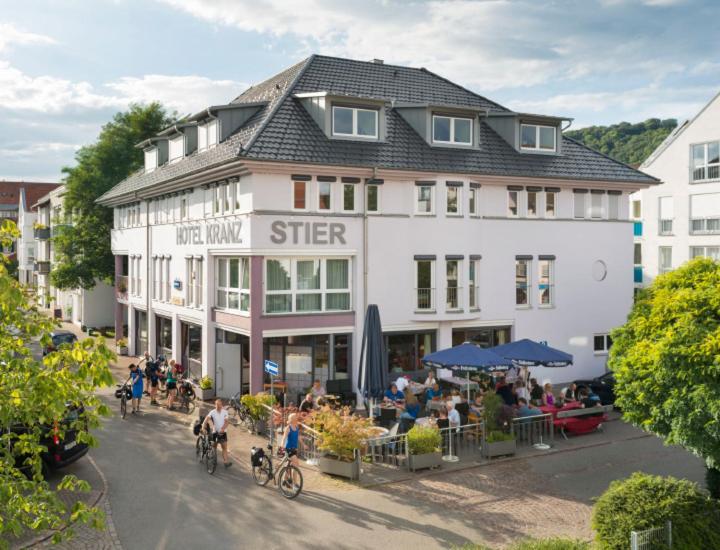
(136,377)
(152,373)
(171,383)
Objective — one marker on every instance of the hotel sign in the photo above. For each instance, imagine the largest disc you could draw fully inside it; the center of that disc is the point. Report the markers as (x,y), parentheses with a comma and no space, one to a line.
(214,233)
(307,232)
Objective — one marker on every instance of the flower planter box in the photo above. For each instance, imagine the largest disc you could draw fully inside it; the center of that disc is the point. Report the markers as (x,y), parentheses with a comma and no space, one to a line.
(207,394)
(261,427)
(335,467)
(423,461)
(121,350)
(499,448)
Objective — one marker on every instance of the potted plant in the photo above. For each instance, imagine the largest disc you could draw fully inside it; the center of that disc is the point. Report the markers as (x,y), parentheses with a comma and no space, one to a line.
(424,448)
(497,441)
(121,346)
(206,386)
(259,407)
(341,437)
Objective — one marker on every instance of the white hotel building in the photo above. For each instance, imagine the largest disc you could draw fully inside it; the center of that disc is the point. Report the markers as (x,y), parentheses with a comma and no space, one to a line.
(261,229)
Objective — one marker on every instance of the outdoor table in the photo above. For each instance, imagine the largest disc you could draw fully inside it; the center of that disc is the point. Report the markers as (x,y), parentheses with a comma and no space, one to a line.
(435,405)
(461,383)
(574,425)
(415,387)
(425,421)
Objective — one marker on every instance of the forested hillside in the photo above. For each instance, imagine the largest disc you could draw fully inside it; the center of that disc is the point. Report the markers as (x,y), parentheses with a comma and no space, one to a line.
(628,143)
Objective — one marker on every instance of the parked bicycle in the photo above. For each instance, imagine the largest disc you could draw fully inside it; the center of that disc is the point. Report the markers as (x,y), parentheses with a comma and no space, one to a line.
(185,402)
(205,452)
(123,393)
(287,477)
(239,414)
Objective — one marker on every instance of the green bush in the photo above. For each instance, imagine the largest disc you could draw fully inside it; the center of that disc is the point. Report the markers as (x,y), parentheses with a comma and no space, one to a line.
(643,501)
(537,544)
(206,383)
(423,440)
(254,404)
(712,480)
(497,436)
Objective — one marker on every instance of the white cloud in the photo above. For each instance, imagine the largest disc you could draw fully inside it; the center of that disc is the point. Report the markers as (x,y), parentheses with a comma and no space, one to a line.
(10,35)
(28,151)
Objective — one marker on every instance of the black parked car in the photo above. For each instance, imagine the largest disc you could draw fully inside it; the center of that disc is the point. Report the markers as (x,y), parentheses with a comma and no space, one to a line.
(602,386)
(58,338)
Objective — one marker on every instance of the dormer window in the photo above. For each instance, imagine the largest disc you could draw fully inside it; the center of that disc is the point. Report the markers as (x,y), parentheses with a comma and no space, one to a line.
(208,135)
(151,159)
(354,122)
(452,130)
(534,137)
(176,148)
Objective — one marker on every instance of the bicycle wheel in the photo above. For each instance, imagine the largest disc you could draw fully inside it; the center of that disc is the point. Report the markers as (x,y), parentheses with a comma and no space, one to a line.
(249,423)
(233,416)
(211,460)
(190,407)
(290,481)
(199,448)
(123,407)
(263,473)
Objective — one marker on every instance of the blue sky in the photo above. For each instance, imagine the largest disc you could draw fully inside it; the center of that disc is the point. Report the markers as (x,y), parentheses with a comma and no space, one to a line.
(67,66)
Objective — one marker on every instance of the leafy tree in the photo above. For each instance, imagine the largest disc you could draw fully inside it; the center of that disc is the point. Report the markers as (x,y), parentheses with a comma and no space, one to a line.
(34,394)
(82,249)
(628,143)
(666,360)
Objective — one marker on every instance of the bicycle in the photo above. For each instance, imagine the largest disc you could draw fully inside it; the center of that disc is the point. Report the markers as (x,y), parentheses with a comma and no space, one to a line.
(287,477)
(239,414)
(123,393)
(184,401)
(205,451)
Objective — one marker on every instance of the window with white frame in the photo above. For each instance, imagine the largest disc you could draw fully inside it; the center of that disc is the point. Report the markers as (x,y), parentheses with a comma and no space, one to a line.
(705,213)
(217,200)
(184,212)
(453,198)
(579,207)
(372,198)
(208,135)
(636,209)
(161,278)
(176,148)
(299,189)
(522,282)
(613,206)
(601,343)
(546,281)
(550,204)
(232,277)
(151,159)
(513,209)
(135,278)
(712,252)
(474,200)
(452,130)
(596,205)
(665,223)
(453,296)
(424,284)
(166,281)
(307,285)
(228,202)
(348,202)
(324,195)
(354,122)
(474,282)
(532,203)
(424,203)
(535,137)
(238,194)
(705,161)
(194,281)
(665,257)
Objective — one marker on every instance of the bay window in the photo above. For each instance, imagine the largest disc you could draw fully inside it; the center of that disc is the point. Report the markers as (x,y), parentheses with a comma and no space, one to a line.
(232,277)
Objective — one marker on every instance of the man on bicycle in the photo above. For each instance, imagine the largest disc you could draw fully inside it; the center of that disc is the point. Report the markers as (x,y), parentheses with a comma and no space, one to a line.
(219,418)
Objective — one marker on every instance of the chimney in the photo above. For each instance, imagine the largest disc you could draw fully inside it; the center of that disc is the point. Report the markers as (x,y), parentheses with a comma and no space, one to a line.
(378,61)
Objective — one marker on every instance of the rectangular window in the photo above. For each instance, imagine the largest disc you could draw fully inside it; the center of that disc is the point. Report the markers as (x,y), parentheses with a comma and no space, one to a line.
(227,198)
(217,200)
(474,284)
(183,208)
(637,255)
(151,159)
(636,210)
(665,255)
(424,199)
(706,161)
(193,286)
(512,204)
(532,204)
(453,298)
(156,278)
(665,223)
(324,195)
(307,285)
(202,137)
(537,138)
(454,200)
(176,149)
(355,122)
(373,198)
(233,283)
(550,200)
(213,133)
(348,197)
(546,282)
(457,131)
(473,200)
(602,343)
(238,194)
(424,291)
(596,206)
(522,282)
(712,252)
(613,207)
(579,205)
(300,195)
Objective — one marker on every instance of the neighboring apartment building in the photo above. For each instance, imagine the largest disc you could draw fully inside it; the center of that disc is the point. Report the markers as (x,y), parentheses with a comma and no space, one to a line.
(89,308)
(261,229)
(680,219)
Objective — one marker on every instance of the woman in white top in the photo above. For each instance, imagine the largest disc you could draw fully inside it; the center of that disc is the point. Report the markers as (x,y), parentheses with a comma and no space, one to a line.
(430,380)
(521,390)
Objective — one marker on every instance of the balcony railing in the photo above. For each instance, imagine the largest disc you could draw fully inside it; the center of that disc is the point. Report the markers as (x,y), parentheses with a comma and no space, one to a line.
(43,268)
(121,287)
(41,233)
(704,226)
(453,299)
(425,299)
(666,227)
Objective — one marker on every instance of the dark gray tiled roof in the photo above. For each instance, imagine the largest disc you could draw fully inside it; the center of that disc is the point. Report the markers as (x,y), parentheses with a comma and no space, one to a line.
(284,131)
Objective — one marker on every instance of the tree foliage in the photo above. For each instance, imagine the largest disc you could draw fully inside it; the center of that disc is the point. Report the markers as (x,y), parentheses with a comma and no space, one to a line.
(82,250)
(34,394)
(666,359)
(628,143)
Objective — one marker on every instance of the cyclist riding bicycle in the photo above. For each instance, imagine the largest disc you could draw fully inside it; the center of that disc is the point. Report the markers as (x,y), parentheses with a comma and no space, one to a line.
(219,418)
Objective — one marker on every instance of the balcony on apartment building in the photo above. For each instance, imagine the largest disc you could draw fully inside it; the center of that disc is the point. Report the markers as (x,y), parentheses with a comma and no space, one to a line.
(41,233)
(41,267)
(121,287)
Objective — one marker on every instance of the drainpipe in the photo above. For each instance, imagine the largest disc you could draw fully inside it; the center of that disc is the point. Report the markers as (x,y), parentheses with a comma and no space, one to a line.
(148,283)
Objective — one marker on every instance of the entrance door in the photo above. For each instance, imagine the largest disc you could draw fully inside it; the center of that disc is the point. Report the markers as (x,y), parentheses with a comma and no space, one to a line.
(141,332)
(191,349)
(232,365)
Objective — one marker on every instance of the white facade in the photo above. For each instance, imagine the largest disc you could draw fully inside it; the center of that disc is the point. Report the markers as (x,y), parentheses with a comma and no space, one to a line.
(26,245)
(170,272)
(681,218)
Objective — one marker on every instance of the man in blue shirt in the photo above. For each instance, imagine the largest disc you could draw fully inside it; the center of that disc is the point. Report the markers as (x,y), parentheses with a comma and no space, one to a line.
(525,410)
(393,395)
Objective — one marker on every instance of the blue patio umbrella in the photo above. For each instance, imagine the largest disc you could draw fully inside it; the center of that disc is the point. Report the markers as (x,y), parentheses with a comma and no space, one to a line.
(527,353)
(373,375)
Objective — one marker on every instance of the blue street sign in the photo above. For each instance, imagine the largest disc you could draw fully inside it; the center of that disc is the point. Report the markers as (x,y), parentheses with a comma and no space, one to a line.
(271,368)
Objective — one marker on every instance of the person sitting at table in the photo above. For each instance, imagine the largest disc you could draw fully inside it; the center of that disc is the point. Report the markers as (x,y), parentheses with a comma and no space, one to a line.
(455,397)
(318,390)
(393,395)
(505,392)
(521,391)
(402,382)
(323,405)
(536,392)
(307,405)
(525,409)
(548,398)
(430,380)
(410,412)
(571,393)
(477,405)
(588,401)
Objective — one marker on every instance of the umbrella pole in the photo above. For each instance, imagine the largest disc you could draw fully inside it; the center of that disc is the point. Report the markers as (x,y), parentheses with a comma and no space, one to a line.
(468,386)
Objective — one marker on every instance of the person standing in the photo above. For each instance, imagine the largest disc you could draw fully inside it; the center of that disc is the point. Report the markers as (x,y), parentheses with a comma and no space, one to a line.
(171,384)
(152,371)
(219,418)
(136,385)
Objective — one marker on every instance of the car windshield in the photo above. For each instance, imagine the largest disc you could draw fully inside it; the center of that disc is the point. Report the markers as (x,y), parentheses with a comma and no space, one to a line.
(608,377)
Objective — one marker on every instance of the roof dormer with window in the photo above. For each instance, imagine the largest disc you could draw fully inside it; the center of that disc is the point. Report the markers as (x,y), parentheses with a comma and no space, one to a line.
(155,152)
(346,118)
(443,125)
(528,133)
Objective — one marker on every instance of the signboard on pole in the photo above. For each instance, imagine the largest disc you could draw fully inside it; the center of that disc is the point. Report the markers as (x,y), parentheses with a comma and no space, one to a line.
(271,368)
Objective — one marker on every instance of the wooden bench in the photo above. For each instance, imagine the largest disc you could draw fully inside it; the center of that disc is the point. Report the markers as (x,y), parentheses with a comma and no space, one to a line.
(581,421)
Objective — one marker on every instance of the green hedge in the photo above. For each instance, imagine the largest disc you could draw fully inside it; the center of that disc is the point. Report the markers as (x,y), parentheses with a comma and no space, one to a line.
(538,544)
(643,501)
